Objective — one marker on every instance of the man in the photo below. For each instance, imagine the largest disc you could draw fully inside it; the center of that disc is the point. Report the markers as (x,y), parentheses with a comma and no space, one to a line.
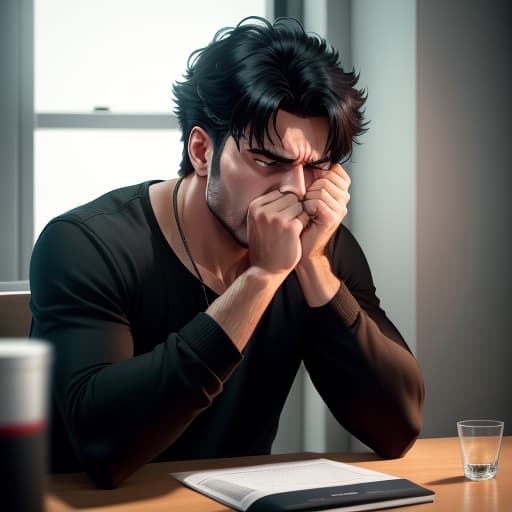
(180,311)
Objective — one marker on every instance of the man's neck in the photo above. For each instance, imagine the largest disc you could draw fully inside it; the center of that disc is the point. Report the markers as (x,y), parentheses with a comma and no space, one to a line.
(219,258)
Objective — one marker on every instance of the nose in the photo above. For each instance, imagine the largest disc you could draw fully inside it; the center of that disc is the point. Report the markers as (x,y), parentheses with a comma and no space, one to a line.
(296,180)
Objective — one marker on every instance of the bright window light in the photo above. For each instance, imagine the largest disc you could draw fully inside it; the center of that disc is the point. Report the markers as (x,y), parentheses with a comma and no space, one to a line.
(76,166)
(122,54)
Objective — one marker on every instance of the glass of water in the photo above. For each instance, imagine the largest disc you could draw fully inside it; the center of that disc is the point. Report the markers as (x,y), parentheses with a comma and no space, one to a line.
(480,444)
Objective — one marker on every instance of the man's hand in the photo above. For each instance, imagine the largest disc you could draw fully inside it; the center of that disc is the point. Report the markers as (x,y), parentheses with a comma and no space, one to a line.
(285,233)
(275,222)
(326,206)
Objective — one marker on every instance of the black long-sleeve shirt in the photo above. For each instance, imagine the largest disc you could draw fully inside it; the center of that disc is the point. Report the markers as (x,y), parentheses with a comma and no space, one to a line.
(142,374)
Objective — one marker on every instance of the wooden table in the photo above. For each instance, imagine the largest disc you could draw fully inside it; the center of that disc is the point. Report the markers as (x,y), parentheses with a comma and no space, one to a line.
(433,463)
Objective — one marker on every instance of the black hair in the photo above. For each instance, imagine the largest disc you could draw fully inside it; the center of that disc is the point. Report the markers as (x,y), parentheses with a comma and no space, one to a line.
(236,84)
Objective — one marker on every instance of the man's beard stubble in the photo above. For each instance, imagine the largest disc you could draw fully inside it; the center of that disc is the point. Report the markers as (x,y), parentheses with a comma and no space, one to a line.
(212,199)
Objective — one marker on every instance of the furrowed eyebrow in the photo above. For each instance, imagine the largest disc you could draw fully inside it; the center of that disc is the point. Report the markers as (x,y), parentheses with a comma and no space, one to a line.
(271,156)
(281,159)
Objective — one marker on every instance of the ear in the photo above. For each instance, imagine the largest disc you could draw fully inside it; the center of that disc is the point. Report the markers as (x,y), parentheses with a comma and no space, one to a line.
(200,150)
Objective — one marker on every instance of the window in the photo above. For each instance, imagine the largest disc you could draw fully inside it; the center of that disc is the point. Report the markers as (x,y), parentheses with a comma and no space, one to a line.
(103,77)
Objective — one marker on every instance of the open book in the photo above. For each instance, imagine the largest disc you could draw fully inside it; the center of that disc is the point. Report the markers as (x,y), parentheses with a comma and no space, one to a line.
(317,484)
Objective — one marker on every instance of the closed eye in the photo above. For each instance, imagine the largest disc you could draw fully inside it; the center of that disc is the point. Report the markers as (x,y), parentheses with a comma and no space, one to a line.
(321,165)
(318,167)
(266,163)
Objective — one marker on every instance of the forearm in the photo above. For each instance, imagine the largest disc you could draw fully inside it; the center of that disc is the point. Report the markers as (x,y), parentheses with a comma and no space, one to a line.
(318,282)
(390,400)
(118,428)
(120,415)
(367,376)
(239,309)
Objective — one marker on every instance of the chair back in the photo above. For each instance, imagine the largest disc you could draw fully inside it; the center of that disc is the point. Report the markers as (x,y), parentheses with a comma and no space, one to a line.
(15,314)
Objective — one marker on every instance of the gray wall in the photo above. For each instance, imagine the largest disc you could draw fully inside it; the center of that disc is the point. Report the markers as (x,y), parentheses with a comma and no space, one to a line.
(383,168)
(464,184)
(431,187)
(16,137)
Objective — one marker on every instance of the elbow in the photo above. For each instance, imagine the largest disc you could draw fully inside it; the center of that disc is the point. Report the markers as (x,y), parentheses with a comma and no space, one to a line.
(407,427)
(104,468)
(103,479)
(400,444)
(389,436)
(402,437)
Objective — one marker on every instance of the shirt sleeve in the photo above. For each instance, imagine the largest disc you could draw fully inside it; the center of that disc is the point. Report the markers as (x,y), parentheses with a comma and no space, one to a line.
(359,362)
(120,410)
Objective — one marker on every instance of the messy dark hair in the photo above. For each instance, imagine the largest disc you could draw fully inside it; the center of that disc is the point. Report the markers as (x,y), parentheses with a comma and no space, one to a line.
(236,85)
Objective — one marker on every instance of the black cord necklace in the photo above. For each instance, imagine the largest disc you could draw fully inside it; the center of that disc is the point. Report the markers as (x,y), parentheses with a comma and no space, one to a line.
(184,240)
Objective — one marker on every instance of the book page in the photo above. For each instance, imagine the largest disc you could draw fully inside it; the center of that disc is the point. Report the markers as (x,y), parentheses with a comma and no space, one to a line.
(240,487)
